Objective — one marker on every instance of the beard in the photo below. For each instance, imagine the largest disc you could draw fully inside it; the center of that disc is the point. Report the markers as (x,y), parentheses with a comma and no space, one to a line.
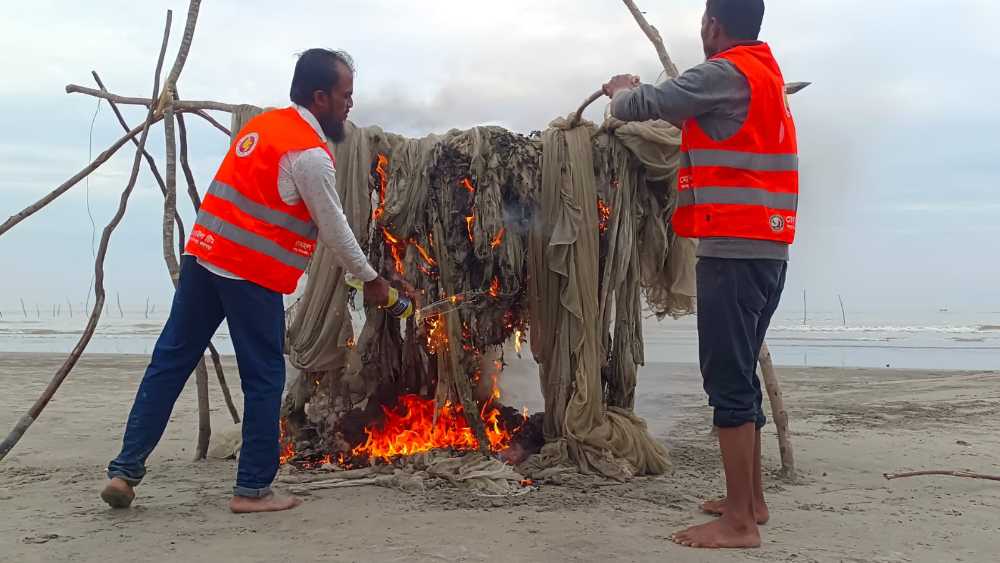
(333,129)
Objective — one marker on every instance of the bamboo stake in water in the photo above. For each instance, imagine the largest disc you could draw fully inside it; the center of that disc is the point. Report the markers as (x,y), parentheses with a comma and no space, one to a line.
(805,308)
(843,311)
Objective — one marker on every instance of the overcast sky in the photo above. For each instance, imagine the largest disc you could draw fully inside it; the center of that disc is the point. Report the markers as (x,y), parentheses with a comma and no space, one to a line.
(898,133)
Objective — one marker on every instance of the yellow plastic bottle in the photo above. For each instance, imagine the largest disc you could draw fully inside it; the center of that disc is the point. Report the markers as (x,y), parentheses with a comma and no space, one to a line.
(398,306)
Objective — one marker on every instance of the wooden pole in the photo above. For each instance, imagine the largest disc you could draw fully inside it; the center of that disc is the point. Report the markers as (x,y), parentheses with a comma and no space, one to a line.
(166,105)
(654,36)
(36,409)
(173,267)
(24,309)
(843,311)
(70,305)
(778,413)
(151,162)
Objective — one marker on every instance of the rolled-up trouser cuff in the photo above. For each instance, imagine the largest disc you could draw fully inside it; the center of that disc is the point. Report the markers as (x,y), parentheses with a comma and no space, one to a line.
(132,479)
(726,418)
(239,491)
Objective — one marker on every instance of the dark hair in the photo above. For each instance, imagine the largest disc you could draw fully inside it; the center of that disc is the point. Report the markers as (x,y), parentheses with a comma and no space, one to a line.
(315,70)
(740,18)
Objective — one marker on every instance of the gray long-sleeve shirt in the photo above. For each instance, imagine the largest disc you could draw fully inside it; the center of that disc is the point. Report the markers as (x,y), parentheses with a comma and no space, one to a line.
(718,95)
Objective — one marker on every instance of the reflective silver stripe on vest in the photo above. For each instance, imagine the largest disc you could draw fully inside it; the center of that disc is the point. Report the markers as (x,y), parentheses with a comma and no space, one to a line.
(756,162)
(738,196)
(270,216)
(250,240)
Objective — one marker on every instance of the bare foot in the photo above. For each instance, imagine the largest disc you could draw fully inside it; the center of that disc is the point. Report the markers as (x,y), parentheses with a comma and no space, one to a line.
(270,503)
(721,534)
(118,494)
(718,508)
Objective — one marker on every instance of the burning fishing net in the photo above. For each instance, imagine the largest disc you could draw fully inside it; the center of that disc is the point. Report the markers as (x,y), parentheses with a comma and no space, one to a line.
(524,236)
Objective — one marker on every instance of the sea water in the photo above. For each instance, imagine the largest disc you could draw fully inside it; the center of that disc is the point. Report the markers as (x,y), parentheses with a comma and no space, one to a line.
(907,339)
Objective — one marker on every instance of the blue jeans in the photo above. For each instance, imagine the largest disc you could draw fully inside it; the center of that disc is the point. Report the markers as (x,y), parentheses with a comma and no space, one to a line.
(256,319)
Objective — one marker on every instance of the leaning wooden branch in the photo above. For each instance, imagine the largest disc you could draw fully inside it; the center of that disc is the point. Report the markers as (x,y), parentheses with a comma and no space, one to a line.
(150,161)
(192,187)
(654,36)
(211,120)
(97,162)
(179,105)
(36,410)
(965,474)
(778,413)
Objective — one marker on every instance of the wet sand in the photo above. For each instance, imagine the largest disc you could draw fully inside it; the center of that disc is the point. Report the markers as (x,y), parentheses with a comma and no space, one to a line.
(850,427)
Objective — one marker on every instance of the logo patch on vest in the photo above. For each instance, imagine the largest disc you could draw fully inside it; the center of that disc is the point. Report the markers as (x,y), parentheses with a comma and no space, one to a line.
(777,223)
(247,144)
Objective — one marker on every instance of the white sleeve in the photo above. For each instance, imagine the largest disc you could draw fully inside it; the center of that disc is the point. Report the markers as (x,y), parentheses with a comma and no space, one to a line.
(315,178)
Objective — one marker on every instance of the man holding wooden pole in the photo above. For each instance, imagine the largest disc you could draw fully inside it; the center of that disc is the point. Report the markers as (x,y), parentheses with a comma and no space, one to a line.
(256,229)
(738,194)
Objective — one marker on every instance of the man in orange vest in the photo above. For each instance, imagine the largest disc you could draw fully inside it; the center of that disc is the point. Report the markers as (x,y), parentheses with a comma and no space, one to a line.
(256,230)
(737,194)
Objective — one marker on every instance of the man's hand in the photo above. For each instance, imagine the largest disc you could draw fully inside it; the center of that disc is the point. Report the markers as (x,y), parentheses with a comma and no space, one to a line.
(620,82)
(407,289)
(377,292)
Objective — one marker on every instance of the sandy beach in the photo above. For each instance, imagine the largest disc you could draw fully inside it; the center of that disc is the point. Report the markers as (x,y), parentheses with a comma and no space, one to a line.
(850,427)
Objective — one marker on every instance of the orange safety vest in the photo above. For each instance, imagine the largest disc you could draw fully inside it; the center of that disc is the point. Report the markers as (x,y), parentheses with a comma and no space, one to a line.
(746,186)
(243,225)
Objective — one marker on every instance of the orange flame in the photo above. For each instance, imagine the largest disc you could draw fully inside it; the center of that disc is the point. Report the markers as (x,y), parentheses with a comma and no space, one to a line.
(423,252)
(287,447)
(383,185)
(498,239)
(604,212)
(518,335)
(494,288)
(396,247)
(469,222)
(467,184)
(411,428)
(436,338)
